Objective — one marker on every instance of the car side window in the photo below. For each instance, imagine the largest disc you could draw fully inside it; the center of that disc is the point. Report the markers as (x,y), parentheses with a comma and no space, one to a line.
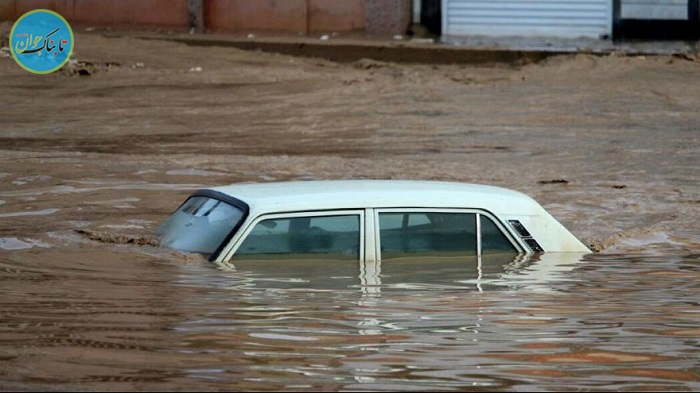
(492,239)
(334,237)
(427,234)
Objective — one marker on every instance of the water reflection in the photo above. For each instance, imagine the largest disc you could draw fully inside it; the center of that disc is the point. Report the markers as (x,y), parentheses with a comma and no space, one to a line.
(495,271)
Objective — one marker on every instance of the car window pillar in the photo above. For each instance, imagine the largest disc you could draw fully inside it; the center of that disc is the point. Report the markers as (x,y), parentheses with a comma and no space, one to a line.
(370,236)
(478,235)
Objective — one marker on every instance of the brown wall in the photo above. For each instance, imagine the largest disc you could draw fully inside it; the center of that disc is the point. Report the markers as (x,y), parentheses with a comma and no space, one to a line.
(7,10)
(246,15)
(295,16)
(386,17)
(138,12)
(292,16)
(135,12)
(334,15)
(63,7)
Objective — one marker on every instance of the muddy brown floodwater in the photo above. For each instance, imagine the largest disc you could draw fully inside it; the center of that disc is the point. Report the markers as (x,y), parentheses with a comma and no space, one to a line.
(91,164)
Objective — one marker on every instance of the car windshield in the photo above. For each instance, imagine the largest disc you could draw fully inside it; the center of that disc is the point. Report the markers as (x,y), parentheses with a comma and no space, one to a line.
(200,225)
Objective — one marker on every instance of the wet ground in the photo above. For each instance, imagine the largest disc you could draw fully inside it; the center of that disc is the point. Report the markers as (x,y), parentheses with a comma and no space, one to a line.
(111,145)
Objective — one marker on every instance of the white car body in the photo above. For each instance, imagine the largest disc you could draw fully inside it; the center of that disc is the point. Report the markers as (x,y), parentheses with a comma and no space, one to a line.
(522,221)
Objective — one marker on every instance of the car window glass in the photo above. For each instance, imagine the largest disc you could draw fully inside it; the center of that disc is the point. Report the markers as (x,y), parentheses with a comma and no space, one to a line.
(427,233)
(323,236)
(200,225)
(492,239)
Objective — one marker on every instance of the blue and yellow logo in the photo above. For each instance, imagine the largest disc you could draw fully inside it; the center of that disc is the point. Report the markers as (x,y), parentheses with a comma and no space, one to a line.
(41,41)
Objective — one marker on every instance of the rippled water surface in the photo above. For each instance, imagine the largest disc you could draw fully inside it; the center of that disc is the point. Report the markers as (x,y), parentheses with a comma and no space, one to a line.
(143,318)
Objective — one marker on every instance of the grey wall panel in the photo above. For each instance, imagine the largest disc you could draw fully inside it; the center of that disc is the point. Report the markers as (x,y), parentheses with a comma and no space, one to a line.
(654,9)
(528,18)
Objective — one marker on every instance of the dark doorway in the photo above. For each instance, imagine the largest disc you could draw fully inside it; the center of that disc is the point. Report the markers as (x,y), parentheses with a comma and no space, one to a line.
(431,16)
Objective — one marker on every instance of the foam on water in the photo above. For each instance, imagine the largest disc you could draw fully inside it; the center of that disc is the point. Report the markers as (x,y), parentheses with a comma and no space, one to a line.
(13,243)
(29,213)
(193,172)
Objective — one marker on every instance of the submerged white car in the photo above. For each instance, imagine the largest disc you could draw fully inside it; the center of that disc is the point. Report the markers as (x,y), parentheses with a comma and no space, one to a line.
(365,220)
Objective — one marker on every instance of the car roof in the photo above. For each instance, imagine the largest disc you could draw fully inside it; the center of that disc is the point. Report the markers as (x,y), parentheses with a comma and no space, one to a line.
(359,194)
(505,204)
